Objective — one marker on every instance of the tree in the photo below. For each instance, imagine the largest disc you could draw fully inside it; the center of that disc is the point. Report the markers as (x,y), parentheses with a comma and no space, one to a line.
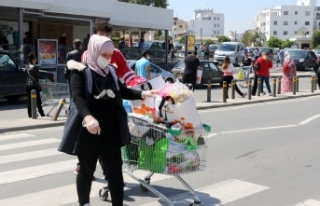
(182,40)
(222,39)
(158,35)
(208,41)
(287,43)
(274,42)
(315,41)
(247,38)
(155,3)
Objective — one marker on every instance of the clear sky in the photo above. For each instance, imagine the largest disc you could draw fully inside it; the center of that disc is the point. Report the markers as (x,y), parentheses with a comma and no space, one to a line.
(239,14)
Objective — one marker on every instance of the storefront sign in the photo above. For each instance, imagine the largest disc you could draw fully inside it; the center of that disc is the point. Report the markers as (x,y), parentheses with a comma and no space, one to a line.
(47,52)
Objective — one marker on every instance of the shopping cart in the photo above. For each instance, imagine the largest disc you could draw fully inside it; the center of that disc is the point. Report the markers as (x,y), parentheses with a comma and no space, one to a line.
(162,150)
(53,92)
(243,75)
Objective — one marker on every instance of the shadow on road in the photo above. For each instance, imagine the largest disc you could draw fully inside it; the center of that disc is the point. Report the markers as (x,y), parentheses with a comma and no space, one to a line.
(7,105)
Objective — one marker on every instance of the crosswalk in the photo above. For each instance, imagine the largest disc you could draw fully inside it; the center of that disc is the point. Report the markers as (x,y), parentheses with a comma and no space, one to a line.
(27,158)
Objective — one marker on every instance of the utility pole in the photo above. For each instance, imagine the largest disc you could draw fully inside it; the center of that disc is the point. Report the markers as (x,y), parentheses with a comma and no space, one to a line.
(235,35)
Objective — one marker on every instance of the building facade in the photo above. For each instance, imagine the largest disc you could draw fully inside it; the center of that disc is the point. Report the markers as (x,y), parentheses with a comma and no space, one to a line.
(289,21)
(207,23)
(179,27)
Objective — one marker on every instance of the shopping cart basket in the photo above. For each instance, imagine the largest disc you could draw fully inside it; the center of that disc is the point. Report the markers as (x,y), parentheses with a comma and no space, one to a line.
(243,75)
(162,150)
(53,92)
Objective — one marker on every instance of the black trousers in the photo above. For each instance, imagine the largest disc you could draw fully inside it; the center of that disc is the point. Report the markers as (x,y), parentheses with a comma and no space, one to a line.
(106,146)
(255,84)
(190,79)
(318,75)
(39,103)
(228,79)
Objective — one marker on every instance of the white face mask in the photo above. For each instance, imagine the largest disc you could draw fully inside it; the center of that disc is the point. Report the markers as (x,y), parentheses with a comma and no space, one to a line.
(103,62)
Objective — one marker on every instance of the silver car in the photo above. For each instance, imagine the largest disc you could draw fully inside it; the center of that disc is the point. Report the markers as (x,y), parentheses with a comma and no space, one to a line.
(154,71)
(234,50)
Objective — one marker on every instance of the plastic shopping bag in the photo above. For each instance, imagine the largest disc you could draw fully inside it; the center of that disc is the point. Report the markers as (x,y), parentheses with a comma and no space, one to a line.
(241,75)
(178,91)
(199,76)
(146,107)
(136,81)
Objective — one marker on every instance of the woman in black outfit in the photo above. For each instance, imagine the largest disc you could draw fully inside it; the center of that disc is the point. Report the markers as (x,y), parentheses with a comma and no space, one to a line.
(33,83)
(105,120)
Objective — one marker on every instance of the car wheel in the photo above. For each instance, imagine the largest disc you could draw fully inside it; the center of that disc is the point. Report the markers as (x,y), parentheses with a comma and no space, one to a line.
(12,98)
(169,80)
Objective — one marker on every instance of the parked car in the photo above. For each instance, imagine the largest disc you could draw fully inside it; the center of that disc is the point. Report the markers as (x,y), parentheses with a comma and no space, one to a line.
(210,72)
(154,71)
(317,53)
(212,49)
(304,59)
(235,50)
(13,77)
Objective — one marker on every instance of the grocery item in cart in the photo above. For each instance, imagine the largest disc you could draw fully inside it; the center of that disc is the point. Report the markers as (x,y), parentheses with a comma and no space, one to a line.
(177,91)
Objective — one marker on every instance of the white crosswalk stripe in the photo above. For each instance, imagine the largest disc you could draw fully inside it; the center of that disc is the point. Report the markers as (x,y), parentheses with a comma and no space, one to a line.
(15,136)
(28,144)
(309,203)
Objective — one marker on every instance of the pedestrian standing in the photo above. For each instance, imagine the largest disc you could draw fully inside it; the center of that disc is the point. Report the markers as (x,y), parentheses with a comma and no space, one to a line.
(288,73)
(85,42)
(264,64)
(192,65)
(281,56)
(228,69)
(105,120)
(143,66)
(74,55)
(32,83)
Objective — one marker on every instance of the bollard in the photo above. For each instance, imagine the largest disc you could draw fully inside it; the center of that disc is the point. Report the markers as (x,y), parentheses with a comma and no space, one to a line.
(59,108)
(224,93)
(259,87)
(274,91)
(249,89)
(209,91)
(34,104)
(233,88)
(297,83)
(279,85)
(312,85)
(294,81)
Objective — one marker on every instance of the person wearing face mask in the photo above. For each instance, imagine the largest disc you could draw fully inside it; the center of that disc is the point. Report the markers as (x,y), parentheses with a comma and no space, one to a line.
(246,61)
(143,66)
(104,119)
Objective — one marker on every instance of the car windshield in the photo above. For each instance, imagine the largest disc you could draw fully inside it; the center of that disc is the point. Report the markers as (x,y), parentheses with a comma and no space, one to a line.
(318,52)
(227,47)
(299,54)
(212,47)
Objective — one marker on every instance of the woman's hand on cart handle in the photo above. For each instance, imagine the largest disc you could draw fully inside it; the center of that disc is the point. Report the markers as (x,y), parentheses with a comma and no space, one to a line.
(91,124)
(152,93)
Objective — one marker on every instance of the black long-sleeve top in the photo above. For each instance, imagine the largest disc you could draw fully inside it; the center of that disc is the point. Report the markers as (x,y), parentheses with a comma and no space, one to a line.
(101,109)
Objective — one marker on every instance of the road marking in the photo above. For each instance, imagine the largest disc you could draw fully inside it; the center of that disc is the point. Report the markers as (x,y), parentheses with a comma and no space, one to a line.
(29,155)
(15,136)
(68,194)
(37,171)
(258,129)
(309,119)
(309,203)
(217,194)
(212,135)
(28,144)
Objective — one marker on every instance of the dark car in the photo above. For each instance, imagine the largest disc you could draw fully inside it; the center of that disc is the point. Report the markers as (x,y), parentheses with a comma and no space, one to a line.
(13,78)
(212,49)
(304,59)
(210,72)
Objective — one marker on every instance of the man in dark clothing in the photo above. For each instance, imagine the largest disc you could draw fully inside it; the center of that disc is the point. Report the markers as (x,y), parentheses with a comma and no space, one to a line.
(74,55)
(192,64)
(255,80)
(246,61)
(86,42)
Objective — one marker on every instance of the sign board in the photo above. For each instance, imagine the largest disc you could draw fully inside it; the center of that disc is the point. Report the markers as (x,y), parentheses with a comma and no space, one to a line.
(191,42)
(47,52)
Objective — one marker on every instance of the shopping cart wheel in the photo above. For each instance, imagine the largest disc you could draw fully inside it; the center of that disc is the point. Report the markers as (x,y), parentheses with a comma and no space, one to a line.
(195,203)
(104,193)
(143,188)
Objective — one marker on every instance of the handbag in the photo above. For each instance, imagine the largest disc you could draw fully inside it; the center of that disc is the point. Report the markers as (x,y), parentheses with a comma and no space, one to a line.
(28,82)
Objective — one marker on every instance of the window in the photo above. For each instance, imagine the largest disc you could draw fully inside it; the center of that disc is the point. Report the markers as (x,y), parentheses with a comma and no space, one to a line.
(213,66)
(186,26)
(307,13)
(205,66)
(215,18)
(285,13)
(285,23)
(214,32)
(307,23)
(217,25)
(214,25)
(209,18)
(275,23)
(217,32)
(296,12)
(218,18)
(180,26)
(295,22)
(6,63)
(274,32)
(295,32)
(285,33)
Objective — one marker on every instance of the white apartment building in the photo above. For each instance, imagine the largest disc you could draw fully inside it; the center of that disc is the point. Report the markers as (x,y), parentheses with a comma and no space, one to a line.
(207,23)
(294,22)
(179,27)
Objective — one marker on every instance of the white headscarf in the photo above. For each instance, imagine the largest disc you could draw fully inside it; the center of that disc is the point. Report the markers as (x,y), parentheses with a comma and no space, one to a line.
(98,45)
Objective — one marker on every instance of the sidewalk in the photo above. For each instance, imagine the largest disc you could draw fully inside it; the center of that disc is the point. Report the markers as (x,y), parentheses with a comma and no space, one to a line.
(15,123)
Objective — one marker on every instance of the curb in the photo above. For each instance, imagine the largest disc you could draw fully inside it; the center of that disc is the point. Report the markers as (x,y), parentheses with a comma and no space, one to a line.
(61,123)
(255,101)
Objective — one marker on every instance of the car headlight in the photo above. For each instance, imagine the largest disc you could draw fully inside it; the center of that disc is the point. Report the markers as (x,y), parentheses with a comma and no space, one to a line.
(301,60)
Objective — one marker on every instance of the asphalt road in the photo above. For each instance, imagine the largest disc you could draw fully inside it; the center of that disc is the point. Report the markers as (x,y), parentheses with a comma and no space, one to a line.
(258,155)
